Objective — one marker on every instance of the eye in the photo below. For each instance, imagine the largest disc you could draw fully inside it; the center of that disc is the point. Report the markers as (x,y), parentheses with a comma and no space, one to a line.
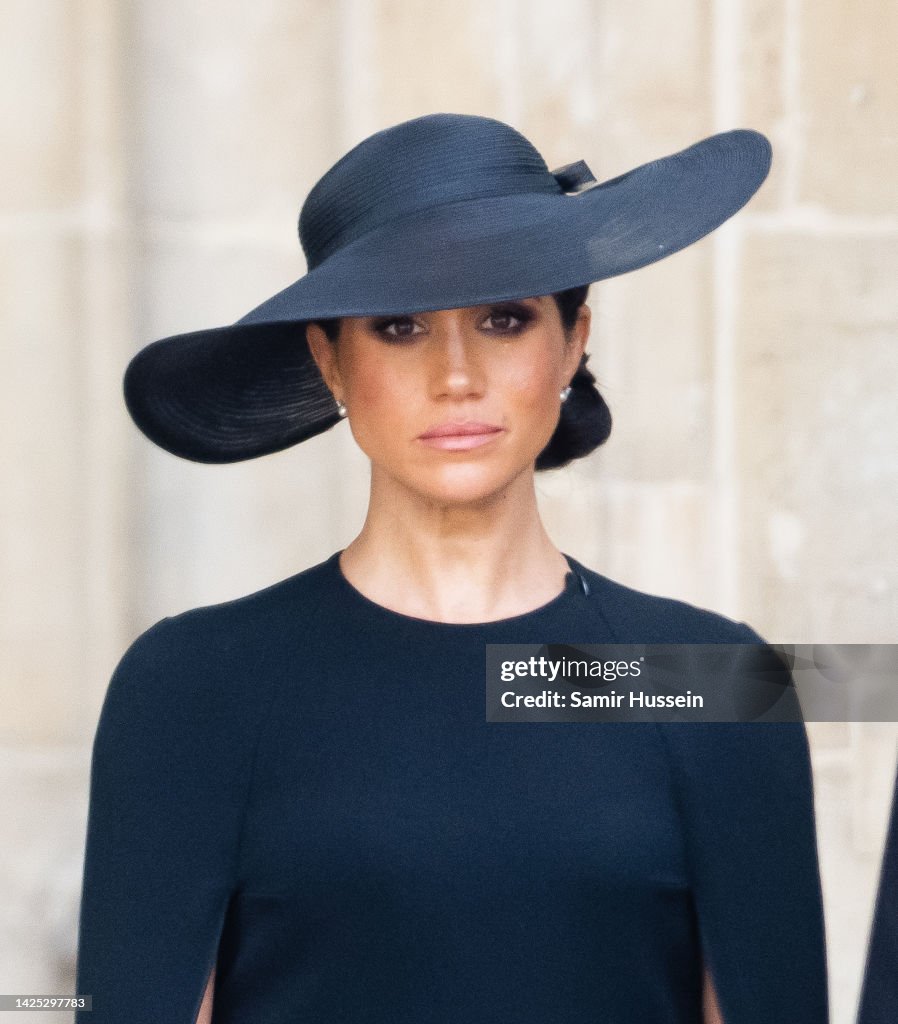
(507,319)
(397,327)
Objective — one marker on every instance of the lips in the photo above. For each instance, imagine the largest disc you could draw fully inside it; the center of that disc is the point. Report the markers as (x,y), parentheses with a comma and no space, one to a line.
(457,428)
(460,436)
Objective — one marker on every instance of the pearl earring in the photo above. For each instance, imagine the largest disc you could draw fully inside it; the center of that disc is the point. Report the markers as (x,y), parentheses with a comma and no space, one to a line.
(565,393)
(341,408)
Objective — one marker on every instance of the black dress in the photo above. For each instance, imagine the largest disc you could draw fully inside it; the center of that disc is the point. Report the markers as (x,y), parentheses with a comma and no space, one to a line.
(302,785)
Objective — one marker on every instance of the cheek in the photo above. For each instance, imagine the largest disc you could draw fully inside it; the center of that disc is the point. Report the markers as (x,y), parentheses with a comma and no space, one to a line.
(378,397)
(367,377)
(532,386)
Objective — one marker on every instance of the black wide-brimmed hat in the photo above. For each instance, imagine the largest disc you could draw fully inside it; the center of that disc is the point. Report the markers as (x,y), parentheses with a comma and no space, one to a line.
(440,212)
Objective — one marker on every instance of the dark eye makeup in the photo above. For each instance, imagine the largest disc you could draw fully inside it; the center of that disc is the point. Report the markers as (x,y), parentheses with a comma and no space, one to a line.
(507,318)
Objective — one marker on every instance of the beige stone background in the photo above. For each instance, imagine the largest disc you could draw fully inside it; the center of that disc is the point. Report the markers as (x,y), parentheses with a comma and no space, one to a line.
(155,155)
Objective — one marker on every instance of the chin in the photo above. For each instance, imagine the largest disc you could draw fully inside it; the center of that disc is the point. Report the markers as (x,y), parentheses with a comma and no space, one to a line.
(465,484)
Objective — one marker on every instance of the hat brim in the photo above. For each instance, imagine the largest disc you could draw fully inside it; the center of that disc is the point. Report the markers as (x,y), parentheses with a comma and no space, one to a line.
(252,388)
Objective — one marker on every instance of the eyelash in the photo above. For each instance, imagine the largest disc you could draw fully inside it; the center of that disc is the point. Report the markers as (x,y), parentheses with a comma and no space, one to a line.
(519,313)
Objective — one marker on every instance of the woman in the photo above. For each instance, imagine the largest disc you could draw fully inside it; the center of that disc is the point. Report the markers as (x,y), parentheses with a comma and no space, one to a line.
(297,807)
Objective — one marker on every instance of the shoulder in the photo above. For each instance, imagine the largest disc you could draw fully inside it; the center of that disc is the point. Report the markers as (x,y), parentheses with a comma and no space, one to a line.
(217,654)
(238,627)
(635,616)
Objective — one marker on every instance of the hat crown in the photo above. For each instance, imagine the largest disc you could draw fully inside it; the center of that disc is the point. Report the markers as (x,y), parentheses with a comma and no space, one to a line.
(414,166)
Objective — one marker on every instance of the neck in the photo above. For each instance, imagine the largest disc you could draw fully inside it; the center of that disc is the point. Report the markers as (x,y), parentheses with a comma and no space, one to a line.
(475,561)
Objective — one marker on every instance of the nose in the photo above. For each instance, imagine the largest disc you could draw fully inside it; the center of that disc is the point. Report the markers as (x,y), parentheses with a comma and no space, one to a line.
(456,370)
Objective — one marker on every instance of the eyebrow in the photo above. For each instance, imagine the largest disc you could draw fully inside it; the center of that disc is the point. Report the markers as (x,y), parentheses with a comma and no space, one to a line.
(529,301)
(534,301)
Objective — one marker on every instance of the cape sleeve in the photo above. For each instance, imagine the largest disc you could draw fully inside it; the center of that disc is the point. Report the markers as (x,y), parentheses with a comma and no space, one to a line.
(745,795)
(170,764)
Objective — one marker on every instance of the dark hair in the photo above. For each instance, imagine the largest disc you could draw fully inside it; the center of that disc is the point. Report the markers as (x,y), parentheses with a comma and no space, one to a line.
(585,421)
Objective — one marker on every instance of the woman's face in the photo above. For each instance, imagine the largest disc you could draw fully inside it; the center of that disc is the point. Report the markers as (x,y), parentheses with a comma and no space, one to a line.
(495,369)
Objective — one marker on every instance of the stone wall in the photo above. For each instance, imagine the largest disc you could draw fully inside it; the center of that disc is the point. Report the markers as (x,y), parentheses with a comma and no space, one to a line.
(155,157)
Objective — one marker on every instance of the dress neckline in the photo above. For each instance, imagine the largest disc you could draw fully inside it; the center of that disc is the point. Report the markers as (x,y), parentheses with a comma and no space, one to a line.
(575,587)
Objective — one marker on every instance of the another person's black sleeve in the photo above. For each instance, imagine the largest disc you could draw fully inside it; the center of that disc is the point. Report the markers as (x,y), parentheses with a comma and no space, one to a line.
(879,993)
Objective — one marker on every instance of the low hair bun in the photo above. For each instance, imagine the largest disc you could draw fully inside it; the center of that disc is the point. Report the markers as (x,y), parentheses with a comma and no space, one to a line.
(585,422)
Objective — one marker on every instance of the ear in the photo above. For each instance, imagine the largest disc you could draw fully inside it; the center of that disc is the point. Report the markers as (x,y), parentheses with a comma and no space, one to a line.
(325,355)
(576,343)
